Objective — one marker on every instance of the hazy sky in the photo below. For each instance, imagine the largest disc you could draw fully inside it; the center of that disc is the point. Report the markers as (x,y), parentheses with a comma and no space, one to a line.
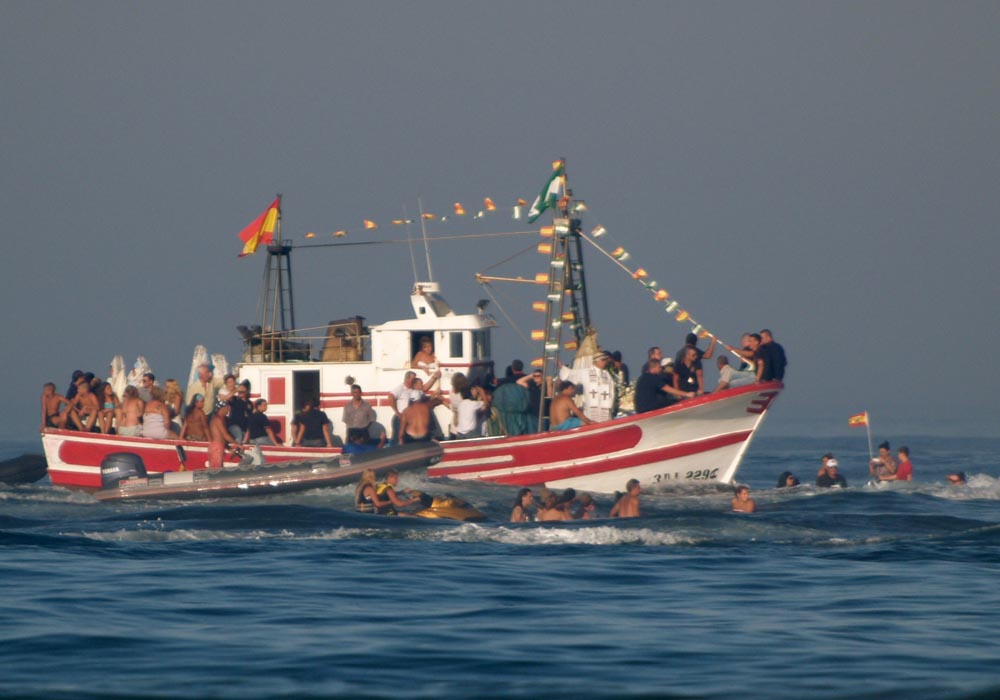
(828,170)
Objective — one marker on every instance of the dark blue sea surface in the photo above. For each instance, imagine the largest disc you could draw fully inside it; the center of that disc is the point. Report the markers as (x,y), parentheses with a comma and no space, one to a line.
(858,593)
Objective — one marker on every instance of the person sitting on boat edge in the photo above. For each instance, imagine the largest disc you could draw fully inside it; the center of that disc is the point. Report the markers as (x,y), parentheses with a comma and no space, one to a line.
(109,407)
(564,413)
(83,408)
(386,501)
(195,425)
(830,477)
(364,494)
(525,500)
(742,503)
(259,430)
(128,421)
(729,377)
(52,414)
(311,427)
(627,505)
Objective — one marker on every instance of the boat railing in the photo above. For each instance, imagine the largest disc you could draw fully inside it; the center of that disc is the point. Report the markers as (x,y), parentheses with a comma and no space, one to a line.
(346,340)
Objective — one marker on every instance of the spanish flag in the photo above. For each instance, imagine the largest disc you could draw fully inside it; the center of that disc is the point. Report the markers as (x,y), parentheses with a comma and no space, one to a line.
(261,230)
(858,420)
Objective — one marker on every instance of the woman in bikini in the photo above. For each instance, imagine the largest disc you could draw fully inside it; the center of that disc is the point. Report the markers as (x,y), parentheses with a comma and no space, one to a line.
(196,423)
(109,407)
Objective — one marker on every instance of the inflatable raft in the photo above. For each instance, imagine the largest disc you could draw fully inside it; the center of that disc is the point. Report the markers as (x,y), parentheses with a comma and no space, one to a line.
(124,476)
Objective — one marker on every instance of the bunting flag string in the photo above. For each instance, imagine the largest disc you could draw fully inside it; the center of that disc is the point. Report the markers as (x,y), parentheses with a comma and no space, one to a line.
(619,255)
(457,210)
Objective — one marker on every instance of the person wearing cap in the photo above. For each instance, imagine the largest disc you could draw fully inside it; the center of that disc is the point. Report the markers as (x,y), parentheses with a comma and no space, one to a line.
(829,476)
(598,386)
(206,385)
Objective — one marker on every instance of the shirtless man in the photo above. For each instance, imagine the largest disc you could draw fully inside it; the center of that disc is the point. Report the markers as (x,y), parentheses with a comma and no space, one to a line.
(129,413)
(83,408)
(628,505)
(415,422)
(742,503)
(52,416)
(564,413)
(220,438)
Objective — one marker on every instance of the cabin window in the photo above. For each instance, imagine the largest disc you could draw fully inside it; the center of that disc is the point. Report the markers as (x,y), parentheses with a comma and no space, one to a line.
(481,349)
(457,345)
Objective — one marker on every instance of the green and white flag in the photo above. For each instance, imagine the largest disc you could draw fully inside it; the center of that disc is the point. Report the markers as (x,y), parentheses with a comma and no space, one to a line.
(549,194)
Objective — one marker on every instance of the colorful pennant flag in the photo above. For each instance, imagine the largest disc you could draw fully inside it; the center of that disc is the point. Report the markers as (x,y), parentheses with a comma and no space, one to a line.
(490,206)
(459,209)
(261,229)
(310,235)
(427,216)
(369,224)
(858,420)
(550,193)
(339,234)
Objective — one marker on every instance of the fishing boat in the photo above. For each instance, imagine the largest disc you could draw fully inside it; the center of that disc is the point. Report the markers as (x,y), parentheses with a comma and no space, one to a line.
(701,439)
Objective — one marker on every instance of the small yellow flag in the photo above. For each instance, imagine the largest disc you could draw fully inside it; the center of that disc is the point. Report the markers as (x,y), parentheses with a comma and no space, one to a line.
(459,209)
(369,224)
(490,206)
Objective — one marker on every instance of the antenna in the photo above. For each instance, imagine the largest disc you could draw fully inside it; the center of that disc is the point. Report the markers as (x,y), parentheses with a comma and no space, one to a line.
(423,231)
(409,239)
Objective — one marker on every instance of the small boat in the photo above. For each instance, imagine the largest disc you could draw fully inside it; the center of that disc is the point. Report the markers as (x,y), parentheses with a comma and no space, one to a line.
(126,478)
(25,469)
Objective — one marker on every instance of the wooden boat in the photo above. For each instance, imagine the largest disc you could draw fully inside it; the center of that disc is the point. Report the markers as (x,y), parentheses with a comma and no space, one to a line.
(695,440)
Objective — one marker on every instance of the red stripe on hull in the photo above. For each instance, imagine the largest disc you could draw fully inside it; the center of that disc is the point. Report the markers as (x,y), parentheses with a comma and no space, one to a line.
(613,464)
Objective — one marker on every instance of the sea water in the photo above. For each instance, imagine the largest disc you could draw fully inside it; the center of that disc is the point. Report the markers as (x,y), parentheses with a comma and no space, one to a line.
(855,593)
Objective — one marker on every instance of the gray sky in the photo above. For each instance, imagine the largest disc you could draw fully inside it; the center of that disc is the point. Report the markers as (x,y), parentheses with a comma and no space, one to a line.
(828,170)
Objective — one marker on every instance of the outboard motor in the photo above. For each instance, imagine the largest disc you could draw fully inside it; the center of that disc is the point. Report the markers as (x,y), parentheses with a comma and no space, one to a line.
(120,465)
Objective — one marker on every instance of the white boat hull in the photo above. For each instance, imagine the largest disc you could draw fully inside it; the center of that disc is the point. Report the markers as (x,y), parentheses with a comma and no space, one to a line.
(698,440)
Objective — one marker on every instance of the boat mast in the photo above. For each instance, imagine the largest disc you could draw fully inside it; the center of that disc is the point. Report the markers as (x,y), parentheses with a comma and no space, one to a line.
(566,296)
(278,309)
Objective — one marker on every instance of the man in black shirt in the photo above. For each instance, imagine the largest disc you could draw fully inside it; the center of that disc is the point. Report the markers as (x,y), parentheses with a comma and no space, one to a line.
(653,390)
(311,427)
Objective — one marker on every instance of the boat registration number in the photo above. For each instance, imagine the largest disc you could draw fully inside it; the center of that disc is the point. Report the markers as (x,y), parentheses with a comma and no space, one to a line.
(693,475)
